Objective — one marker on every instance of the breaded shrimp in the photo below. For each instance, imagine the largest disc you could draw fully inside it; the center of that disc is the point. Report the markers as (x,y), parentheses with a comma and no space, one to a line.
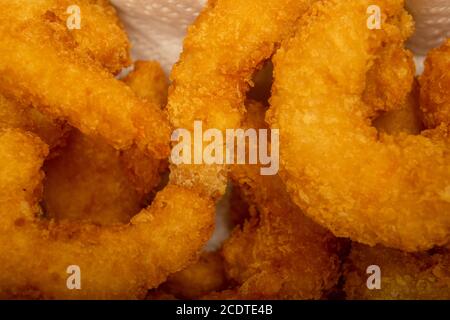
(373,188)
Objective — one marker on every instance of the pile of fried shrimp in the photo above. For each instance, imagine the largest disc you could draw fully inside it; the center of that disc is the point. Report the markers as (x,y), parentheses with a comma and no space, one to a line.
(92,207)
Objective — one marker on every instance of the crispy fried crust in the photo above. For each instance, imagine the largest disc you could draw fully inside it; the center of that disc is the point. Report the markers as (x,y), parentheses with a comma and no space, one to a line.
(277,252)
(227,43)
(403,275)
(158,241)
(203,277)
(149,82)
(369,187)
(75,89)
(15,115)
(101,35)
(274,252)
(87,182)
(92,181)
(435,87)
(407,119)
(394,65)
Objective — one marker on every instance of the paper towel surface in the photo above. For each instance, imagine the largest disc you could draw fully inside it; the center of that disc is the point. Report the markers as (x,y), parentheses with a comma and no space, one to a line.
(157,27)
(432,19)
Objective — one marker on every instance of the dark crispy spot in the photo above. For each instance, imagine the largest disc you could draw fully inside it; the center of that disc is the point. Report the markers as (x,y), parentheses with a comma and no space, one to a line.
(20,222)
(51,16)
(55,277)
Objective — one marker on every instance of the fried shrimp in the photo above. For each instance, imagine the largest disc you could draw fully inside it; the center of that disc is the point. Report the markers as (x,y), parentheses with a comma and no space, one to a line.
(376,189)
(404,275)
(88,182)
(149,82)
(390,79)
(277,252)
(158,241)
(100,34)
(14,115)
(407,119)
(435,87)
(227,43)
(274,252)
(91,181)
(199,279)
(42,66)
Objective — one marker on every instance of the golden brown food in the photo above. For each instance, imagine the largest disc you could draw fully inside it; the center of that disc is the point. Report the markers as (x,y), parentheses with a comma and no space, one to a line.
(406,119)
(87,182)
(15,115)
(44,66)
(375,189)
(403,275)
(149,82)
(83,156)
(41,66)
(227,43)
(92,181)
(435,87)
(390,79)
(277,252)
(100,34)
(203,277)
(274,253)
(145,172)
(100,37)
(160,240)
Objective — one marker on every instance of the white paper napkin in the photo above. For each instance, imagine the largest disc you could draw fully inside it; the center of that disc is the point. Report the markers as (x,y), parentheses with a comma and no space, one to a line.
(157,27)
(432,24)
